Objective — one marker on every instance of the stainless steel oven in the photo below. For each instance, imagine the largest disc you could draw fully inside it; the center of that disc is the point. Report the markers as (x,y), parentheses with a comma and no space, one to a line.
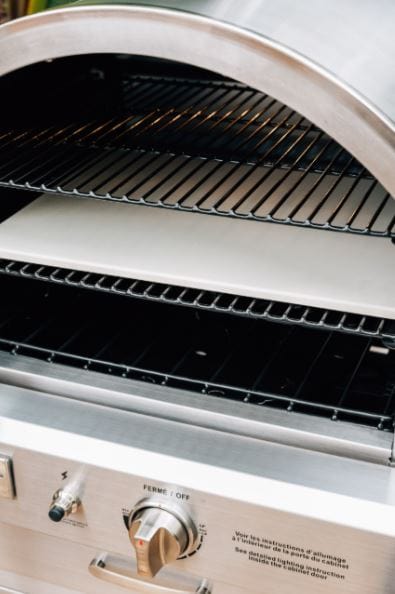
(197,319)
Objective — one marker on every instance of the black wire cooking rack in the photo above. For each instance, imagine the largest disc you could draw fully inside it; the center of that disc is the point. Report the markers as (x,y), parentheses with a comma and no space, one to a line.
(288,313)
(214,147)
(344,377)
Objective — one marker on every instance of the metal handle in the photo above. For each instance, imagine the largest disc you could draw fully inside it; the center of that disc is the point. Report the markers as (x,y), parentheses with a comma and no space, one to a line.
(124,573)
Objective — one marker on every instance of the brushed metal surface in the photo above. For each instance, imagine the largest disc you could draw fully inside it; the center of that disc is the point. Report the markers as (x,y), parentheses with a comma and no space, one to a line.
(231,487)
(13,583)
(242,419)
(213,253)
(333,63)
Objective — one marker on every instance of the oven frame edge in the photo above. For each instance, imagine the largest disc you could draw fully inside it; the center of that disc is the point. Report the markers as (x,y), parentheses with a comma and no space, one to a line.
(342,491)
(299,430)
(251,58)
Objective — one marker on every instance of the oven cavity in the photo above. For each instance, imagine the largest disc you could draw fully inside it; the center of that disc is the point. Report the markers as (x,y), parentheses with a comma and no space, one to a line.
(153,133)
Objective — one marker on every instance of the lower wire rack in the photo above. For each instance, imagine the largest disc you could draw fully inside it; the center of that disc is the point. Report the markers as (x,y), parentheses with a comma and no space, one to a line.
(321,372)
(280,312)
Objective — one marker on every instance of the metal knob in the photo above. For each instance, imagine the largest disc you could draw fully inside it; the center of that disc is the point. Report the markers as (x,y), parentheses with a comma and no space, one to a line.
(160,535)
(63,504)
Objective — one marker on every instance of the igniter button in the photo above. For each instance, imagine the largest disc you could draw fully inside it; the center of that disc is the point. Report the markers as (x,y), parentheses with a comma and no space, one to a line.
(64,503)
(7,484)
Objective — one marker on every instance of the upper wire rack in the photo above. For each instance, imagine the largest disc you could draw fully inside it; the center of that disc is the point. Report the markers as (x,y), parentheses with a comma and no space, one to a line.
(214,147)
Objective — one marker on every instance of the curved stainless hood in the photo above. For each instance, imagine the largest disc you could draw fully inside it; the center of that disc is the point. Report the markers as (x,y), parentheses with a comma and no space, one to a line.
(333,70)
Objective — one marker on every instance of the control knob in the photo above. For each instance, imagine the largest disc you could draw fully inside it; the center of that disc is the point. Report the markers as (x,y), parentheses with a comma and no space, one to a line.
(161,533)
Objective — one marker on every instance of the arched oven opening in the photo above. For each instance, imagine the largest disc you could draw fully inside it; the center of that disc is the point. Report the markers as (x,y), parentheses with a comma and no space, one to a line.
(260,273)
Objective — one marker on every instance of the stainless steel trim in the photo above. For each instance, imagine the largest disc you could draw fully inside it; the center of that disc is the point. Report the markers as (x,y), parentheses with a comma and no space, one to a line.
(293,429)
(118,571)
(120,451)
(349,98)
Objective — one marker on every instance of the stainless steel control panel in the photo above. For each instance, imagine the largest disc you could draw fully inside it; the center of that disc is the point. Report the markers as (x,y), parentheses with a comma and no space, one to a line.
(234,540)
(207,506)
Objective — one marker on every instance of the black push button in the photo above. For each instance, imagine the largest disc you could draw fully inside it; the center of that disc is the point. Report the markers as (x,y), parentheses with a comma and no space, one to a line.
(56,513)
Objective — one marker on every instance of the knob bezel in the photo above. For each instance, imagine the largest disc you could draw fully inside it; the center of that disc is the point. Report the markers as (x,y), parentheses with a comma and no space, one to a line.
(178,512)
